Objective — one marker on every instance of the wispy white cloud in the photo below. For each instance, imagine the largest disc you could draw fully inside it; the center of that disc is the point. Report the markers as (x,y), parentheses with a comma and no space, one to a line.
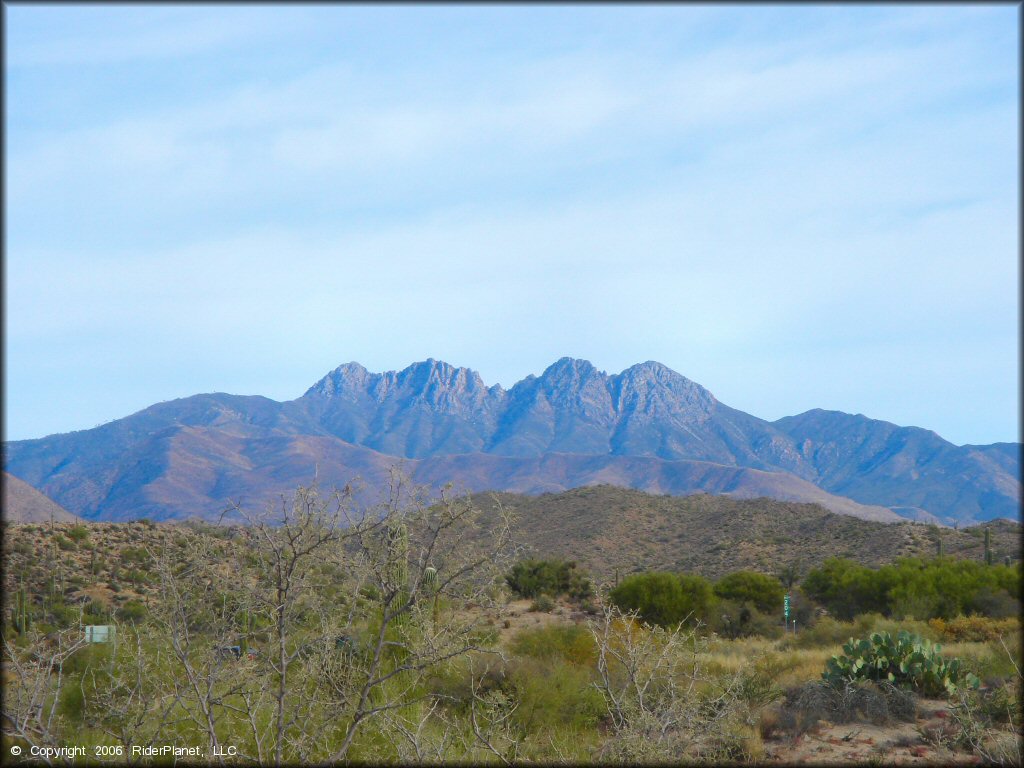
(842,185)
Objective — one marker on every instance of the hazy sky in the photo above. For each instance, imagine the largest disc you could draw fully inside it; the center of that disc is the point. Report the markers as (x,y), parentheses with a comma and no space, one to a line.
(797,207)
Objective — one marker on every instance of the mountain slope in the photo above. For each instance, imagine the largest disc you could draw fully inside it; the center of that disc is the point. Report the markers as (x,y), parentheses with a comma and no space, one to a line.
(607,529)
(647,427)
(878,462)
(24,504)
(183,471)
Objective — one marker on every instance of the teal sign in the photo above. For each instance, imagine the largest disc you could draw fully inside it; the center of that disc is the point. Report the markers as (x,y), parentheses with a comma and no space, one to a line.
(99,633)
(785,606)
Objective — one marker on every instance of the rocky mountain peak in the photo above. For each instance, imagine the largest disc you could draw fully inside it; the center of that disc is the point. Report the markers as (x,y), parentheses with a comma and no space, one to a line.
(569,376)
(656,389)
(574,422)
(436,379)
(344,377)
(569,366)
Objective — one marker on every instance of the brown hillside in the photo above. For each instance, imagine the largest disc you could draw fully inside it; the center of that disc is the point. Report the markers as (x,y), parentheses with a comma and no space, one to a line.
(606,528)
(24,504)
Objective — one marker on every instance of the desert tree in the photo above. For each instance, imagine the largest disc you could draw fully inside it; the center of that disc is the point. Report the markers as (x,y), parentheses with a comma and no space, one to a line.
(126,695)
(192,635)
(345,612)
(661,704)
(34,680)
(414,553)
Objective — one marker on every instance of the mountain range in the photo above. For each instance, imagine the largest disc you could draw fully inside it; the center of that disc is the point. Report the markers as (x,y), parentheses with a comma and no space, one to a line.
(647,427)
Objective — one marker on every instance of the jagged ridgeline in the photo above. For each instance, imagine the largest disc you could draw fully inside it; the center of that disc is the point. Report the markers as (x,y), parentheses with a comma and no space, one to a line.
(648,428)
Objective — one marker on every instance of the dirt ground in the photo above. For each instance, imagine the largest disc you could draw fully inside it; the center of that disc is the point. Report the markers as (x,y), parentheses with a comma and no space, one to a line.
(895,744)
(864,743)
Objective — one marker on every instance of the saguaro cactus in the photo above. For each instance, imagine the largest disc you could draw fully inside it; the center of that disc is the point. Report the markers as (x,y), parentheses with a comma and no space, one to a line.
(430,585)
(246,622)
(22,616)
(398,568)
(988,546)
(938,544)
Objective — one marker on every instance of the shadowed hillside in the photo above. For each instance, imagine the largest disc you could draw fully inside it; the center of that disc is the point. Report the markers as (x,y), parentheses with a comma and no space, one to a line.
(605,528)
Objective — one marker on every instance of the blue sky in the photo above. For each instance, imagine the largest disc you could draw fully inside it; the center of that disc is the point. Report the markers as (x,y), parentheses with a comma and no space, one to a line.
(797,207)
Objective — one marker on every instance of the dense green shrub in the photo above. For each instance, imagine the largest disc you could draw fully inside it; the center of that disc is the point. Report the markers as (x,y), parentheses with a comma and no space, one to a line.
(571,643)
(531,578)
(96,609)
(664,598)
(845,588)
(543,604)
(135,555)
(765,593)
(733,619)
(554,696)
(913,588)
(78,533)
(133,611)
(904,660)
(72,703)
(62,614)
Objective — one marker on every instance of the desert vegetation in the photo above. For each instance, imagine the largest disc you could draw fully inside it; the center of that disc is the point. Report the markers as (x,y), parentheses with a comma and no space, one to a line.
(421,630)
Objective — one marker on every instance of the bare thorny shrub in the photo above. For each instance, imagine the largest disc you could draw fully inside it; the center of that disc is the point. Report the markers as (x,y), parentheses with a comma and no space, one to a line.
(476,728)
(988,723)
(129,701)
(34,680)
(661,705)
(317,620)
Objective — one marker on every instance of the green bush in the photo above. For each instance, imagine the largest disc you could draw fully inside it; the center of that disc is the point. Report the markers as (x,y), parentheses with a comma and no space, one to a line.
(570,643)
(554,696)
(133,611)
(905,660)
(78,533)
(912,588)
(733,619)
(72,703)
(62,614)
(763,592)
(665,599)
(543,604)
(96,609)
(135,555)
(531,578)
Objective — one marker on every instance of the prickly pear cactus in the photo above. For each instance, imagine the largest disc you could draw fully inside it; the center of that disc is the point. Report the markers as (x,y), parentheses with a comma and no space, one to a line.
(904,660)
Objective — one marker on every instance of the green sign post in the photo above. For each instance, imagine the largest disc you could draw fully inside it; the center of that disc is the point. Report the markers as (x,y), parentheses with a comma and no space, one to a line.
(785,609)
